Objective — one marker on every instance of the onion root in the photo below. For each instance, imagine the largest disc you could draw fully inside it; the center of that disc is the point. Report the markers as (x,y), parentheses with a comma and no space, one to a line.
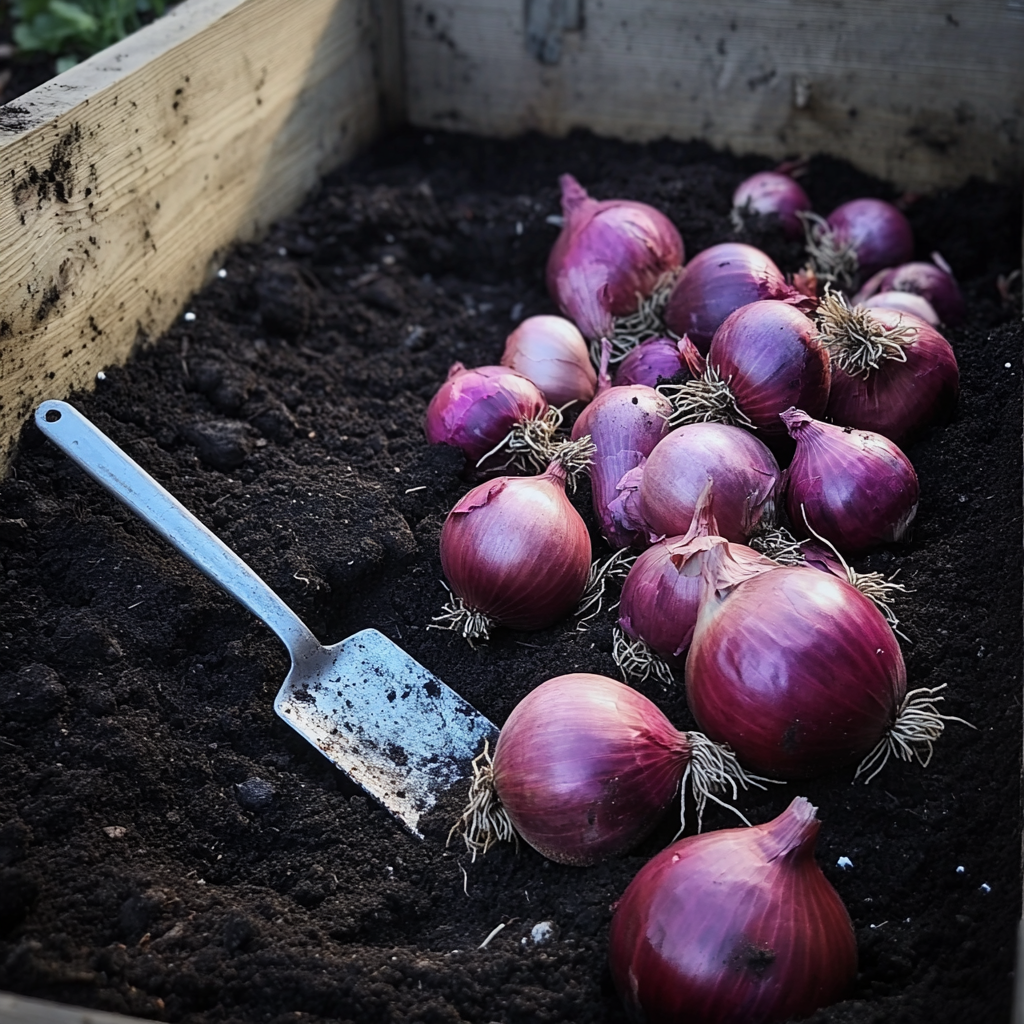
(484,822)
(646,323)
(855,340)
(637,662)
(705,399)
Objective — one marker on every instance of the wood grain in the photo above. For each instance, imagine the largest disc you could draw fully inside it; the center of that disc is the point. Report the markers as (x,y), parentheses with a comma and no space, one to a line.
(124,181)
(923,92)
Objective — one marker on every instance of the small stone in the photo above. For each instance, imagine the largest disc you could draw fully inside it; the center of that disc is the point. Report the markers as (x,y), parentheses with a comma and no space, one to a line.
(115,831)
(255,794)
(543,932)
(190,317)
(844,863)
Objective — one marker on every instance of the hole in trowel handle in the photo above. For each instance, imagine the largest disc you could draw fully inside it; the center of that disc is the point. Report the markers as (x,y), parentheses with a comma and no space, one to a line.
(52,415)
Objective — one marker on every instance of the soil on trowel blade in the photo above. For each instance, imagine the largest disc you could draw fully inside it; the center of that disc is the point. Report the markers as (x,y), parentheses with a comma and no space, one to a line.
(170,848)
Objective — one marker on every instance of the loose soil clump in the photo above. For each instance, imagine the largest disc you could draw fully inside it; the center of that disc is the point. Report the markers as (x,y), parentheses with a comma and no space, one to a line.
(170,848)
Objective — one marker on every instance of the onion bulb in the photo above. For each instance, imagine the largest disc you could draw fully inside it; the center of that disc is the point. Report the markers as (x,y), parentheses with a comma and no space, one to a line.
(903,302)
(550,351)
(931,281)
(610,256)
(585,767)
(855,488)
(515,552)
(738,926)
(770,194)
(649,362)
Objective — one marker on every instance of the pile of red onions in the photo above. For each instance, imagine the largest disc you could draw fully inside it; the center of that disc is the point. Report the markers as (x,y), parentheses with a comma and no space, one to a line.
(516,553)
(858,239)
(551,352)
(609,255)
(719,280)
(733,927)
(765,358)
(855,488)
(585,767)
(934,282)
(891,372)
(771,194)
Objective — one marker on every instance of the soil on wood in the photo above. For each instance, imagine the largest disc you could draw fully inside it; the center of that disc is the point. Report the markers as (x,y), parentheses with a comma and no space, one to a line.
(170,848)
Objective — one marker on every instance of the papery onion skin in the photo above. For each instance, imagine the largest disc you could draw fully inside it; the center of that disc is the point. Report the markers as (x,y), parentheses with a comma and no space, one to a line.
(772,193)
(649,362)
(901,400)
(855,487)
(551,352)
(737,926)
(745,474)
(515,549)
(931,282)
(716,282)
(586,766)
(903,302)
(625,424)
(880,234)
(794,668)
(770,354)
(475,409)
(608,253)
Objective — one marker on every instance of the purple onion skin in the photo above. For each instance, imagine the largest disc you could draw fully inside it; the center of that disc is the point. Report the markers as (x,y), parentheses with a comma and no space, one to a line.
(607,253)
(770,353)
(744,472)
(880,235)
(586,766)
(718,281)
(900,400)
(924,279)
(903,302)
(771,193)
(794,668)
(738,926)
(516,550)
(857,488)
(649,362)
(475,409)
(551,352)
(625,424)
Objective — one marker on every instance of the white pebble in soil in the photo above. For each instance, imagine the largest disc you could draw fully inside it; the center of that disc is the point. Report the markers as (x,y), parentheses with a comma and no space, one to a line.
(844,863)
(543,932)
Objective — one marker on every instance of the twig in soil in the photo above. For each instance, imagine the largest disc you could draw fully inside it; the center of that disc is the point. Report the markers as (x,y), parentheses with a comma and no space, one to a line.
(494,931)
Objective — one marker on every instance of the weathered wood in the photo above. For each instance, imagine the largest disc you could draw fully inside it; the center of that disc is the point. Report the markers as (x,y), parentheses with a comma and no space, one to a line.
(923,92)
(123,181)
(21,1010)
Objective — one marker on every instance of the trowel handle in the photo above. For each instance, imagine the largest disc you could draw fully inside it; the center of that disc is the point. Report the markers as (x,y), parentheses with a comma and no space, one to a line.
(127,481)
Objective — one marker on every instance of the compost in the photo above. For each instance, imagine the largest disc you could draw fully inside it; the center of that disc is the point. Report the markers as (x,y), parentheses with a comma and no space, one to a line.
(170,848)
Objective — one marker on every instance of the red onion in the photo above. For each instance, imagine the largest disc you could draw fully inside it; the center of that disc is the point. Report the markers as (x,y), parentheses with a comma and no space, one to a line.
(609,255)
(931,281)
(904,302)
(745,474)
(765,358)
(551,352)
(476,410)
(891,372)
(515,552)
(718,281)
(859,238)
(770,193)
(647,363)
(624,424)
(855,488)
(585,767)
(800,673)
(738,926)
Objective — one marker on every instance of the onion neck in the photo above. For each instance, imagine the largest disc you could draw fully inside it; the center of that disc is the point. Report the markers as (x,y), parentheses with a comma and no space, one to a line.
(856,341)
(793,833)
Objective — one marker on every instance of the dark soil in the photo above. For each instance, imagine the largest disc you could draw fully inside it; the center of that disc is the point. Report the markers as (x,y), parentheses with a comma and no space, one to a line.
(142,868)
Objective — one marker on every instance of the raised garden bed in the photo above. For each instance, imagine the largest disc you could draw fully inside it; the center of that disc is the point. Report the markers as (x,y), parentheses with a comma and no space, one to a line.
(143,870)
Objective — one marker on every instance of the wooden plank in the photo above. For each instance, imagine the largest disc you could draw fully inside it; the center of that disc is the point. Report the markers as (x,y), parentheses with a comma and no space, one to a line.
(22,1010)
(923,92)
(123,181)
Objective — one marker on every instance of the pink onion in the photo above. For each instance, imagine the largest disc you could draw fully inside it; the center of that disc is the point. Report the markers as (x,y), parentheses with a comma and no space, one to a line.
(649,362)
(795,669)
(551,352)
(744,472)
(476,409)
(770,193)
(891,372)
(585,767)
(738,926)
(855,488)
(765,358)
(515,552)
(904,302)
(858,239)
(609,254)
(717,282)
(624,424)
(931,281)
